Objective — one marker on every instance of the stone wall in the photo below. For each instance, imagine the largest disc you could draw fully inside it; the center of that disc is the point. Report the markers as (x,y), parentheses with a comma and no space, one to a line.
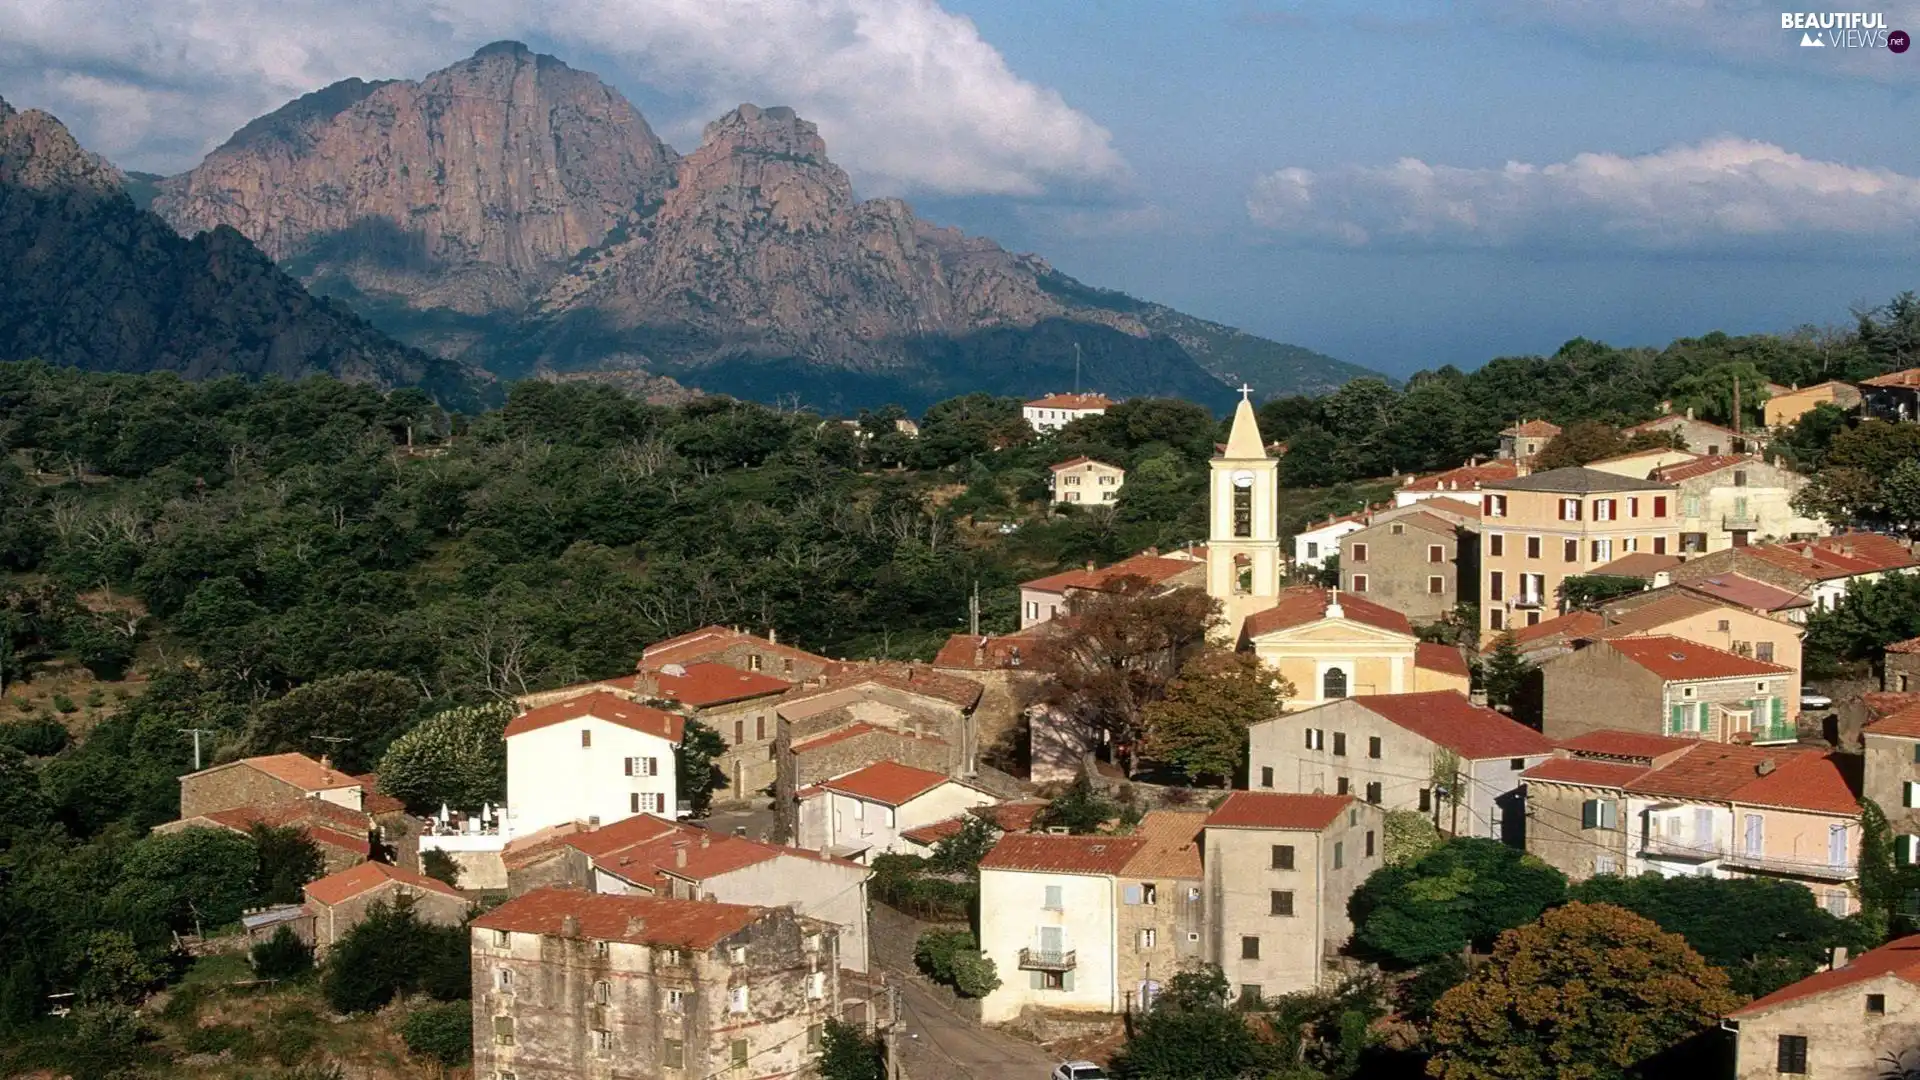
(332,922)
(1900,673)
(236,785)
(1556,836)
(1596,689)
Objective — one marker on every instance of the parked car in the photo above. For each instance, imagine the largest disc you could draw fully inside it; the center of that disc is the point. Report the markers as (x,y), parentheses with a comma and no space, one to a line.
(1078,1070)
(1812,698)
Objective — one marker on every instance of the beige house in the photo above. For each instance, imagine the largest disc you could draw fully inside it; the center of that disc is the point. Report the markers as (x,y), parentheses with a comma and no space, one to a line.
(1858,1020)
(1700,436)
(1084,481)
(1527,438)
(1395,751)
(1642,463)
(1279,872)
(340,901)
(1042,599)
(1419,564)
(1537,530)
(1785,408)
(1462,483)
(1161,917)
(1706,621)
(1663,685)
(1049,920)
(863,813)
(1736,500)
(1891,777)
(1576,801)
(1332,645)
(571,985)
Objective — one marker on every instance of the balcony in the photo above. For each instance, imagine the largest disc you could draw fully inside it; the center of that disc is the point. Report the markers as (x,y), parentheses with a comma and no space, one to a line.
(1821,870)
(1784,732)
(1747,522)
(1525,600)
(1046,960)
(1682,847)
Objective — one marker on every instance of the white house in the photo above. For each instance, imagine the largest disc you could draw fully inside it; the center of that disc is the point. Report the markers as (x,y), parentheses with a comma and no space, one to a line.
(595,758)
(1083,480)
(1313,544)
(1049,923)
(1055,411)
(861,814)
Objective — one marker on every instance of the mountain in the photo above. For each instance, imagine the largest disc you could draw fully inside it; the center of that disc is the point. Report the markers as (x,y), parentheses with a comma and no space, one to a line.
(521,216)
(89,280)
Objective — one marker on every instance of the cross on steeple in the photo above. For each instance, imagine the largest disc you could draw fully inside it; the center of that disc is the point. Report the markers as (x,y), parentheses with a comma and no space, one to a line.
(1246,392)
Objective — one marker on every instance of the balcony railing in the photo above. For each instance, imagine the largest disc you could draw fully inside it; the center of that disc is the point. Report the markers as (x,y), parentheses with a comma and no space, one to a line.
(1740,522)
(1776,733)
(1821,869)
(1046,960)
(1683,847)
(1526,600)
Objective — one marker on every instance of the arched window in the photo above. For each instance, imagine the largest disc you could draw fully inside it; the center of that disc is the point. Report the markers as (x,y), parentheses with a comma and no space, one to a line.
(1333,684)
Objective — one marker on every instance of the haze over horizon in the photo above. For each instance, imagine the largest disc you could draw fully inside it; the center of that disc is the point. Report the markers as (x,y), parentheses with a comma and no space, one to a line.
(1400,185)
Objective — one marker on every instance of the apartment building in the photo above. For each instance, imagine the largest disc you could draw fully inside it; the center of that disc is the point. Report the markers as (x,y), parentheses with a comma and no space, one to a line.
(1082,481)
(594,758)
(1049,920)
(1420,564)
(1539,529)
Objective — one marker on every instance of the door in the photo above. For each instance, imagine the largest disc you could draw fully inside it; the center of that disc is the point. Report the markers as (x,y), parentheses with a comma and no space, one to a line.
(1755,838)
(1703,828)
(1052,941)
(1836,845)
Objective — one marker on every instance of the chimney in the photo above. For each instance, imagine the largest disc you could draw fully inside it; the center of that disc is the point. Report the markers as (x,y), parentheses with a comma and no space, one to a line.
(570,926)
(680,853)
(1089,566)
(773,636)
(636,926)
(1839,959)
(1689,412)
(706,839)
(1153,550)
(1766,766)
(823,855)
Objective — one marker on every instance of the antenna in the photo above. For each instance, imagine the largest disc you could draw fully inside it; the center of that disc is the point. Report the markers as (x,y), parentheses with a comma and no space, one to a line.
(1076,367)
(196,732)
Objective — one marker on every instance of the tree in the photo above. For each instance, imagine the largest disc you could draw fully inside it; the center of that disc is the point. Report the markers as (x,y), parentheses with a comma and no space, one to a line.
(700,746)
(1406,836)
(1200,725)
(1190,1034)
(192,881)
(1504,672)
(1590,990)
(282,956)
(1462,893)
(847,1053)
(1586,592)
(367,709)
(442,1032)
(961,851)
(286,860)
(1579,443)
(1871,616)
(440,866)
(1868,474)
(1081,809)
(457,758)
(953,958)
(22,803)
(116,970)
(390,954)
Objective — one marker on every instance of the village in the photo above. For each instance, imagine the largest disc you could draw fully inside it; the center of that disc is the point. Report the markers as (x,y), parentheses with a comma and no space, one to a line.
(1628,701)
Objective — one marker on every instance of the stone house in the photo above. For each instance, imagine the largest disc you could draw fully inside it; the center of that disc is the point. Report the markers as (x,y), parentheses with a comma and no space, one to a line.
(1706,621)
(1331,644)
(1002,666)
(1160,917)
(571,985)
(653,856)
(1390,750)
(1660,685)
(1055,411)
(1700,436)
(345,838)
(863,813)
(1280,869)
(263,781)
(1527,438)
(1553,637)
(1044,598)
(340,901)
(1890,776)
(1900,667)
(1783,409)
(1894,396)
(1734,500)
(1084,481)
(1577,800)
(1857,1020)
(1821,569)
(1541,528)
(1418,564)
(736,649)
(737,704)
(1049,921)
(598,757)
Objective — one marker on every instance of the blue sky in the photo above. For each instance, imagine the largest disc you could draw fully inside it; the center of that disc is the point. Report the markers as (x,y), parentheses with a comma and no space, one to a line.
(1331,174)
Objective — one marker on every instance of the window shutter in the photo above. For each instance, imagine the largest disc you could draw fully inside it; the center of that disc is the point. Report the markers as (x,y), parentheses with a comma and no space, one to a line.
(1609,814)
(1132,893)
(1677,720)
(1906,793)
(1590,814)
(1066,980)
(1779,711)
(629,765)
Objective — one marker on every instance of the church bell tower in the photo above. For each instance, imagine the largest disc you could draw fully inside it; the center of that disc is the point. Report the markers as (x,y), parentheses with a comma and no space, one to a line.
(1243,542)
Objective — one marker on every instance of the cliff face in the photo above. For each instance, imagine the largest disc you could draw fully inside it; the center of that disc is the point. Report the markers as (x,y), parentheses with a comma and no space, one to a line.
(89,280)
(467,190)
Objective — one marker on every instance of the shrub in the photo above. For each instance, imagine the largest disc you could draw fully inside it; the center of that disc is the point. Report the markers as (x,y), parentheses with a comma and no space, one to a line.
(442,1032)
(42,736)
(283,956)
(846,1053)
(440,866)
(216,1038)
(294,1034)
(64,703)
(952,958)
(392,954)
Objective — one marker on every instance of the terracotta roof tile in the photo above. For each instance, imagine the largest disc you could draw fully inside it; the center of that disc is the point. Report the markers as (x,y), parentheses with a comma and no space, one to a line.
(1071,401)
(1822,783)
(1007,817)
(636,920)
(854,731)
(323,822)
(1062,854)
(887,782)
(1276,810)
(353,881)
(1709,771)
(1701,466)
(912,678)
(1904,723)
(1444,658)
(602,706)
(297,769)
(1154,569)
(710,641)
(707,683)
(1572,625)
(1909,377)
(1829,557)
(1532,428)
(1654,614)
(1304,604)
(1171,844)
(1583,772)
(1678,660)
(1884,703)
(1638,564)
(1451,506)
(1896,959)
(1624,744)
(1446,718)
(968,652)
(1082,460)
(1672,419)
(1464,478)
(1751,593)
(1909,646)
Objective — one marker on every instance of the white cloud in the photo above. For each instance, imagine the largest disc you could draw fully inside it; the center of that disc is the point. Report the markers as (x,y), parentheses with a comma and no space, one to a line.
(1720,196)
(908,95)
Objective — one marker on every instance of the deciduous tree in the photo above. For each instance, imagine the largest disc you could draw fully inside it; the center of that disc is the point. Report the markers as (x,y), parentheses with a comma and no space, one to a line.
(1200,725)
(1463,892)
(697,775)
(457,758)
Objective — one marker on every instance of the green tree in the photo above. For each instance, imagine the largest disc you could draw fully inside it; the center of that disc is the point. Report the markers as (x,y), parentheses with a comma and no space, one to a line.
(1406,836)
(367,709)
(1463,892)
(953,958)
(1504,672)
(698,776)
(457,757)
(1081,809)
(116,971)
(1590,990)
(443,1032)
(1871,616)
(847,1053)
(23,805)
(1579,443)
(440,866)
(1190,1034)
(1587,592)
(961,851)
(390,954)
(282,956)
(193,881)
(286,860)
(1200,725)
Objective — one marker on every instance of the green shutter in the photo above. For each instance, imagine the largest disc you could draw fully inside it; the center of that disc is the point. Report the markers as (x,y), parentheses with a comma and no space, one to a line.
(1779,711)
(1033,979)
(1590,814)
(1066,980)
(1676,720)
(1902,850)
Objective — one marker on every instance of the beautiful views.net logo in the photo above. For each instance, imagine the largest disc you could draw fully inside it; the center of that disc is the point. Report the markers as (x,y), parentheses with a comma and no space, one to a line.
(1844,30)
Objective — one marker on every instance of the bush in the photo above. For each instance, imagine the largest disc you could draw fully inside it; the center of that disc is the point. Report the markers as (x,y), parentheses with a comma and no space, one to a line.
(846,1053)
(441,1032)
(440,866)
(64,703)
(218,1038)
(952,958)
(392,954)
(904,883)
(283,956)
(294,1034)
(105,1042)
(42,736)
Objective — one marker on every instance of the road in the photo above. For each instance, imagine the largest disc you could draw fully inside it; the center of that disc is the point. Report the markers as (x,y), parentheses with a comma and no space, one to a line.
(937,1044)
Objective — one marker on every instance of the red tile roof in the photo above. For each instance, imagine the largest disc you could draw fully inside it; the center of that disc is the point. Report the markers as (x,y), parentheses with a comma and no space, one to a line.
(1572,625)
(1654,614)
(636,920)
(372,800)
(1884,703)
(1071,401)
(1822,783)
(602,706)
(1154,569)
(710,641)
(1909,377)
(1275,810)
(1670,420)
(1911,645)
(1896,959)
(1829,557)
(1529,428)
(1583,772)
(1170,844)
(912,678)
(1709,771)
(1638,564)
(1446,718)
(968,652)
(854,731)
(1304,604)
(1444,658)
(1751,593)
(297,769)
(1904,723)
(321,828)
(1679,660)
(1007,817)
(708,683)
(1464,478)
(1625,744)
(1443,504)
(353,881)
(1701,466)
(886,782)
(1062,854)
(1081,460)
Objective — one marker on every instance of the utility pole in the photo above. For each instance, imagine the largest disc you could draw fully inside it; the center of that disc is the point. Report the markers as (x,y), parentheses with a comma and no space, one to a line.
(891,1034)
(973,611)
(1736,406)
(1076,367)
(196,732)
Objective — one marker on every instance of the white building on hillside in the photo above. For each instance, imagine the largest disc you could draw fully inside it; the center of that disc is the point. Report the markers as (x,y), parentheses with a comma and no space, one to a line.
(861,814)
(1055,411)
(595,758)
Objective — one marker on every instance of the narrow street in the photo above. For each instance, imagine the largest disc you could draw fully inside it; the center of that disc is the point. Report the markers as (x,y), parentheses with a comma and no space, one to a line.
(937,1044)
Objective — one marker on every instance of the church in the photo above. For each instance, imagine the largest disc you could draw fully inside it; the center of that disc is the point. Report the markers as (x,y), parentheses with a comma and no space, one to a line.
(1328,644)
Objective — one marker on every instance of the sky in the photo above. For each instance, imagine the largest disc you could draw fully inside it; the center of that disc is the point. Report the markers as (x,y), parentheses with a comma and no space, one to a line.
(1399,184)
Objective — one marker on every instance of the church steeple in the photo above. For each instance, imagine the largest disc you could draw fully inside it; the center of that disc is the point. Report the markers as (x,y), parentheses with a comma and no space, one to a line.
(1243,545)
(1243,441)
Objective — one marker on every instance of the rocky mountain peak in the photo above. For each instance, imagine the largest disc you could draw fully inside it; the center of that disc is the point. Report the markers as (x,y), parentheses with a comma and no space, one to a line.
(38,153)
(777,130)
(504,48)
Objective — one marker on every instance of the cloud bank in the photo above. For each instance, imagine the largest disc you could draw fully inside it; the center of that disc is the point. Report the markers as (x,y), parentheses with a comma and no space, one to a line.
(908,95)
(1722,196)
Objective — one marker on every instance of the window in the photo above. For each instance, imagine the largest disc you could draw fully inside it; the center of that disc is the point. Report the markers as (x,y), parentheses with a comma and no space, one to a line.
(586,737)
(1426,799)
(673,1053)
(1148,937)
(1763,650)
(501,939)
(737,1000)
(503,980)
(1266,773)
(1033,612)
(814,1032)
(1516,764)
(1533,618)
(1603,550)
(1436,553)
(1496,544)
(1599,814)
(1793,1054)
(1334,683)
(1149,894)
(1569,509)
(1359,553)
(603,992)
(1496,586)
(1370,840)
(737,1053)
(1659,545)
(740,726)
(1399,529)
(1053,902)
(1313,549)
(1339,744)
(786,665)
(1340,786)
(816,986)
(1533,547)
(1280,903)
(1496,506)
(1373,792)
(1603,509)
(633,802)
(753,662)
(1373,747)
(1877,1004)
(1436,585)
(1570,550)
(1339,854)
(602,1040)
(1243,511)
(600,949)
(737,954)
(676,1001)
(1604,864)
(1316,739)
(1496,619)
(1659,506)
(1739,478)
(1633,508)
(759,727)
(1359,583)
(503,1031)
(1283,856)
(1249,948)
